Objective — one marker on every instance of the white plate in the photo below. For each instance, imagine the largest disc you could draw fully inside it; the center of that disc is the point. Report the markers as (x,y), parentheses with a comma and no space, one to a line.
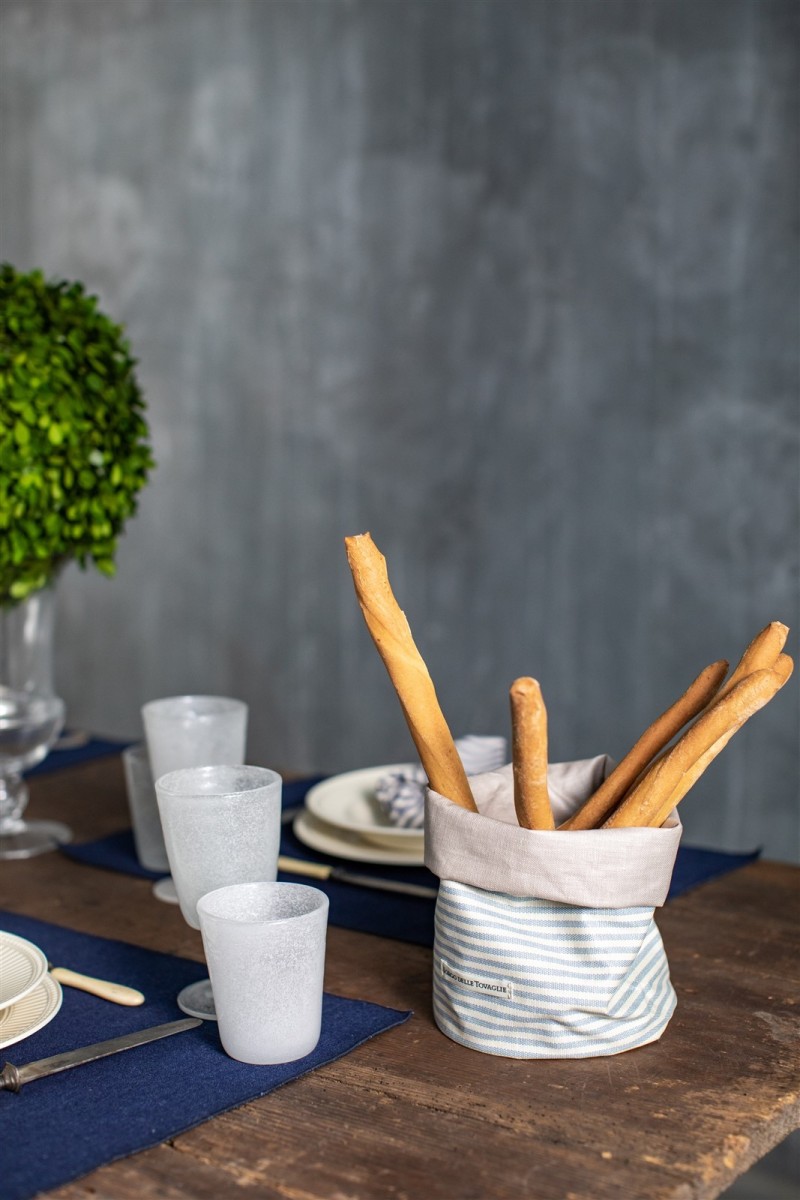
(32,1012)
(22,966)
(348,802)
(342,844)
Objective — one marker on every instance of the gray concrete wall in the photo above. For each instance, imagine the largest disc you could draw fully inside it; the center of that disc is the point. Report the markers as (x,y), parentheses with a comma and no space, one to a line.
(511,283)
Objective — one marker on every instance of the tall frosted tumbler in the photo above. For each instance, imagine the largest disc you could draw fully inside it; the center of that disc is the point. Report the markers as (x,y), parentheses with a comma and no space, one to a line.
(265,949)
(221,825)
(194,731)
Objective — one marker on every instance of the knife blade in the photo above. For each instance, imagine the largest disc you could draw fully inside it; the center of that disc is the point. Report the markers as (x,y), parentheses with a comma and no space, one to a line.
(313,870)
(13,1078)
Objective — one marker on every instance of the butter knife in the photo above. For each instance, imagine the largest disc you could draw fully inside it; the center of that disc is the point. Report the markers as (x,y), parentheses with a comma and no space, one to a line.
(117,993)
(313,870)
(13,1078)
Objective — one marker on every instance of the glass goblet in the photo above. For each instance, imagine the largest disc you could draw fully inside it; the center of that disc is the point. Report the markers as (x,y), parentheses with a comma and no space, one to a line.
(221,826)
(31,717)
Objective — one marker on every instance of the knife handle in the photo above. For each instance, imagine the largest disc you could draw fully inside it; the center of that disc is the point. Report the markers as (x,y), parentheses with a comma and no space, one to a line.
(117,993)
(299,866)
(9,1078)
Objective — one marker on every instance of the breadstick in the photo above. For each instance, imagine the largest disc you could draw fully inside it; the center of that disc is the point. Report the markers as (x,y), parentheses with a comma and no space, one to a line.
(651,743)
(529,754)
(760,654)
(656,787)
(392,636)
(783,668)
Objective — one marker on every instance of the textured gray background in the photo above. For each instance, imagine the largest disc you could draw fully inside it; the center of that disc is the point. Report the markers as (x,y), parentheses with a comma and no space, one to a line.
(511,283)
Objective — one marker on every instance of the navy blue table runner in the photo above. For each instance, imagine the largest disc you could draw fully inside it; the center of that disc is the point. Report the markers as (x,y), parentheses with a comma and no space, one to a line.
(61,1127)
(81,752)
(406,918)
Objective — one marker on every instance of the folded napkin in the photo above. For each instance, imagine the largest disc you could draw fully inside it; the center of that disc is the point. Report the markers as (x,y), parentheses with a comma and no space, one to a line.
(401,793)
(59,1128)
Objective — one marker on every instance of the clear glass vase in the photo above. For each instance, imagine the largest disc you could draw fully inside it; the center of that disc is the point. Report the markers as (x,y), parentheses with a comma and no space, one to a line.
(31,717)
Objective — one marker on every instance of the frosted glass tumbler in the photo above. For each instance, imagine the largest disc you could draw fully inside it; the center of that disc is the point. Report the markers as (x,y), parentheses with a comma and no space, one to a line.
(194,731)
(222,825)
(147,835)
(265,949)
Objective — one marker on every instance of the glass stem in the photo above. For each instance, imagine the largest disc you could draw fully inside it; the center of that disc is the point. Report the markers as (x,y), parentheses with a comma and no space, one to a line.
(13,798)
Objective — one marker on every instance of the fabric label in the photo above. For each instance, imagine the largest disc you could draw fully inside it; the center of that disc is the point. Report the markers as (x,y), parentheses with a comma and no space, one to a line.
(501,988)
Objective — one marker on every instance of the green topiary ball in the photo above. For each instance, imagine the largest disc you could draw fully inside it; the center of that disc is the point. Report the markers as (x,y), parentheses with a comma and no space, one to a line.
(74,449)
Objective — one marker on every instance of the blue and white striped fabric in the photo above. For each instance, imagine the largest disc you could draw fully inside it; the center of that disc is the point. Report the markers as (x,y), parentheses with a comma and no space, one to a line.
(527,978)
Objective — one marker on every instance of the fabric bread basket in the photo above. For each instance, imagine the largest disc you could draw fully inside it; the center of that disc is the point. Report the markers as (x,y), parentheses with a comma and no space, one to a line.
(545,943)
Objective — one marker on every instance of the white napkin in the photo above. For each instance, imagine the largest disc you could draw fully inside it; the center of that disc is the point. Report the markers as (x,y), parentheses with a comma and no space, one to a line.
(401,794)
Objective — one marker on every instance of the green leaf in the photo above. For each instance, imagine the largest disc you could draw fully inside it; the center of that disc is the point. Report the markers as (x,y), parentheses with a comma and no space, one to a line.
(74,445)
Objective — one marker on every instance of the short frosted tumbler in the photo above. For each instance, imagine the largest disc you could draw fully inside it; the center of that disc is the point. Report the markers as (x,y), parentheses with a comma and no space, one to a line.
(221,825)
(194,731)
(265,949)
(147,835)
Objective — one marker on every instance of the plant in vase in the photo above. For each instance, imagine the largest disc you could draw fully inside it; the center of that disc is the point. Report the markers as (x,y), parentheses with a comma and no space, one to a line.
(74,454)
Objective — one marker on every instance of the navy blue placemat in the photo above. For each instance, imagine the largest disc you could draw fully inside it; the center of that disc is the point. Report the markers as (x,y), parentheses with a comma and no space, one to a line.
(95,747)
(117,851)
(59,1128)
(695,865)
(407,918)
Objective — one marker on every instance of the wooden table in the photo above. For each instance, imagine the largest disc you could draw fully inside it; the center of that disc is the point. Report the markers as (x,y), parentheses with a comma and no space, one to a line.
(412,1115)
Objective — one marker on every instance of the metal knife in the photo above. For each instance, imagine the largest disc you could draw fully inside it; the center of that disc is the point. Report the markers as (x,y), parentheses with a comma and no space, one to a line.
(13,1078)
(313,870)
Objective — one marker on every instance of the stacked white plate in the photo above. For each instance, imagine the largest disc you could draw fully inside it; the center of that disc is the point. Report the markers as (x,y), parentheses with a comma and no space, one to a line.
(29,996)
(343,818)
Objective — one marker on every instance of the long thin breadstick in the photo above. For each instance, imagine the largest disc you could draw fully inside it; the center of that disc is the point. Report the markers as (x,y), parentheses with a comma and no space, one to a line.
(759,655)
(652,742)
(655,789)
(783,669)
(392,636)
(529,755)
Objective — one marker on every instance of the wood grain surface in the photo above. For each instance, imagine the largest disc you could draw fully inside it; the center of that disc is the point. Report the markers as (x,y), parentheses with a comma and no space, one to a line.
(411,1114)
